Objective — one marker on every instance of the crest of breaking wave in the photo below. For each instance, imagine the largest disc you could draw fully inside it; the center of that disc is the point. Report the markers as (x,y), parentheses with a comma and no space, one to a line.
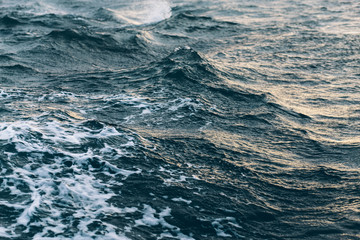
(143,12)
(137,12)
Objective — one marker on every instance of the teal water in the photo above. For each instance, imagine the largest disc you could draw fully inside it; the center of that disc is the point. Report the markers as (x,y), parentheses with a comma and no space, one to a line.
(179,119)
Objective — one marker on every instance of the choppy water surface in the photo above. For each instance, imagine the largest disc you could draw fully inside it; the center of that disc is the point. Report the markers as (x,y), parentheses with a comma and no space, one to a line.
(179,120)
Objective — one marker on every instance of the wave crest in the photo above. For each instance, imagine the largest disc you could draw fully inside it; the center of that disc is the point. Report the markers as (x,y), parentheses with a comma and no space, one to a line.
(144,12)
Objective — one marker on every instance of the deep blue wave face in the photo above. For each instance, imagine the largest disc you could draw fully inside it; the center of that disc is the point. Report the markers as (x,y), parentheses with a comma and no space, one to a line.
(179,119)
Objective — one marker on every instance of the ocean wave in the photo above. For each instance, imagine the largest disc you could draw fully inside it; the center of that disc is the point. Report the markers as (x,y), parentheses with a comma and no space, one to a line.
(18,68)
(8,21)
(179,120)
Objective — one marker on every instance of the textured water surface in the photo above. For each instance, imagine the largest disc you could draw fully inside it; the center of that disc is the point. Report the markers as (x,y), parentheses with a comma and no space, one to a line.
(179,119)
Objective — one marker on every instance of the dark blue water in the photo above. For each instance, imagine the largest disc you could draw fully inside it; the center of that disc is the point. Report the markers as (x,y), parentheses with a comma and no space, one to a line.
(179,120)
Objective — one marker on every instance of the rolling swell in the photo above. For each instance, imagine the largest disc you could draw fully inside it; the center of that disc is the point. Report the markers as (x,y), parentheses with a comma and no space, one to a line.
(213,120)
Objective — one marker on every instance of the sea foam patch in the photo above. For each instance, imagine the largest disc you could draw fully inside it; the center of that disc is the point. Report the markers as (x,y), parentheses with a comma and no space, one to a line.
(152,218)
(144,12)
(51,181)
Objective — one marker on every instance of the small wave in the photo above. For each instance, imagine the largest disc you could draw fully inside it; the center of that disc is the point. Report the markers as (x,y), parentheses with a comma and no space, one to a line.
(19,68)
(5,58)
(72,34)
(9,21)
(187,65)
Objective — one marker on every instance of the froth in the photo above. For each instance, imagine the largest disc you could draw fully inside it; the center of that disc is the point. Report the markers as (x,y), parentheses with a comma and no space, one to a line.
(144,12)
(49,179)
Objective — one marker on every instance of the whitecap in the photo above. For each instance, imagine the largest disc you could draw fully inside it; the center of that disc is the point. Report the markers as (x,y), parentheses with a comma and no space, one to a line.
(144,12)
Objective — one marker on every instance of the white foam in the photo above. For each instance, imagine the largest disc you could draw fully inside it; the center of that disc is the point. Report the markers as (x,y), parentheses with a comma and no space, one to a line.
(144,12)
(149,219)
(219,228)
(184,102)
(137,12)
(181,178)
(53,96)
(24,218)
(181,200)
(11,205)
(178,108)
(49,188)
(3,94)
(3,233)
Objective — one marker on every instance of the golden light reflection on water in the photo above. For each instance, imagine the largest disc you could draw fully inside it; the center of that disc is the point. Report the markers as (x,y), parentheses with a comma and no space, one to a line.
(281,155)
(330,113)
(249,146)
(334,17)
(309,73)
(74,115)
(67,112)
